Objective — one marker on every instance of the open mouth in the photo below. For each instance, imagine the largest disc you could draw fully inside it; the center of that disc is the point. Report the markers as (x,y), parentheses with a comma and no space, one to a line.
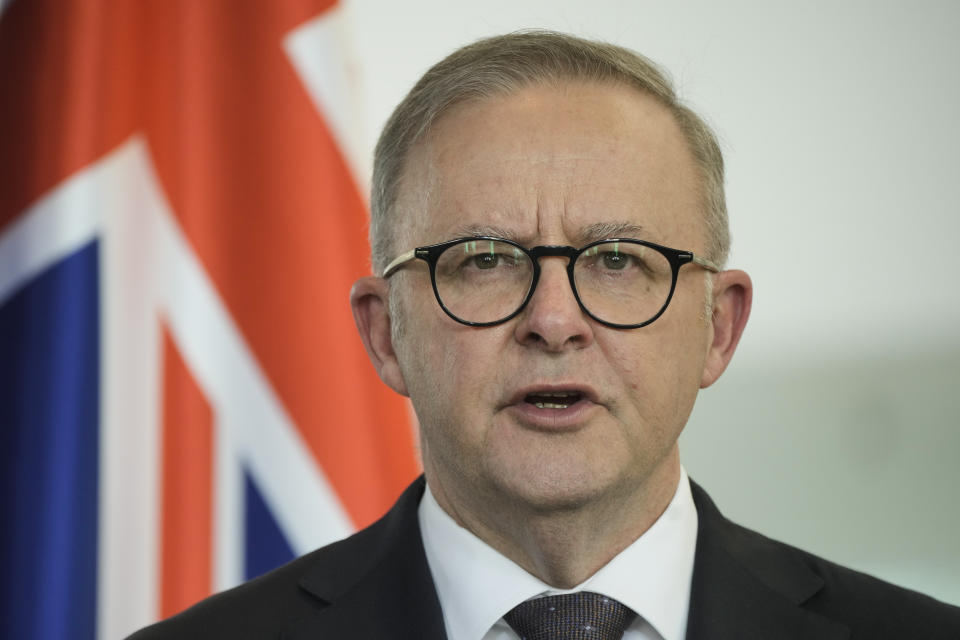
(553,400)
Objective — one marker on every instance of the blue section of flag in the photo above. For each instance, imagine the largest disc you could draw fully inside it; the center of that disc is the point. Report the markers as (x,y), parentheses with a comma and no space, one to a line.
(266,547)
(49,452)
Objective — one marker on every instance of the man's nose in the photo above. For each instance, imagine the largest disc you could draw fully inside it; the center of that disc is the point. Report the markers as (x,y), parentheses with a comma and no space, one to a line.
(553,320)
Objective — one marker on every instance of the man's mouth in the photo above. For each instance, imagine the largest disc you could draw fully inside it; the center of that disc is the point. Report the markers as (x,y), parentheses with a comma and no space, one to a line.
(557,407)
(553,400)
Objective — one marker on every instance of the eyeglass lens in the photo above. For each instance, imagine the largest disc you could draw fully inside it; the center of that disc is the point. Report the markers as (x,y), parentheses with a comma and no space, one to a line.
(618,282)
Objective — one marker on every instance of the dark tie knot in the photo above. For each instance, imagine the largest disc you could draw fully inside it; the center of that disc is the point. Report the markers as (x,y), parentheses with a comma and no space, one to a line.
(574,616)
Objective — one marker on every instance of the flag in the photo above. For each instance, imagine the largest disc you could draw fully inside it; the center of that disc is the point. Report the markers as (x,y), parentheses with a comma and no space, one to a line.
(184,402)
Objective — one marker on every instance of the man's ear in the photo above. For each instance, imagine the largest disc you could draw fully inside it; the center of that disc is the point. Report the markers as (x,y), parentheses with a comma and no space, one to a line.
(732,297)
(371,311)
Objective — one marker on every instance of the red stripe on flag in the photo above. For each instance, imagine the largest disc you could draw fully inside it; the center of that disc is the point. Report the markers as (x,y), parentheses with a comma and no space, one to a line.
(66,69)
(186,547)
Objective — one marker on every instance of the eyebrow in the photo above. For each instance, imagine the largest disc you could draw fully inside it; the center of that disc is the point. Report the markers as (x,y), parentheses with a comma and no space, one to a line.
(469,230)
(589,233)
(605,230)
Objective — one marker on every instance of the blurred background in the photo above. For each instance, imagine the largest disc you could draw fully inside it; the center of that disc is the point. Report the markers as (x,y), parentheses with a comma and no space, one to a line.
(207,294)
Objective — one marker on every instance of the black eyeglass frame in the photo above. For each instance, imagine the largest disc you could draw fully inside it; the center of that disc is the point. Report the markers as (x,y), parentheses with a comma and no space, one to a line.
(431,253)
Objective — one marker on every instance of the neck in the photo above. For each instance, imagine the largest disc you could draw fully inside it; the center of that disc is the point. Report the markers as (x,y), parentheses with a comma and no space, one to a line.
(565,546)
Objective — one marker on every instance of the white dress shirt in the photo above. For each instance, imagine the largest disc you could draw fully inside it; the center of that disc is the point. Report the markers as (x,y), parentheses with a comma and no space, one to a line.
(477,585)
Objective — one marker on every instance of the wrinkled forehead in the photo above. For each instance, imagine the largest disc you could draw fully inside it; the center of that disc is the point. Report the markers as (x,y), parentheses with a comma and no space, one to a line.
(549,163)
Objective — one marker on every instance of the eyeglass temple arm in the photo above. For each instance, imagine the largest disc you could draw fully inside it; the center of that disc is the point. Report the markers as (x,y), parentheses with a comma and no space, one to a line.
(401,259)
(703,262)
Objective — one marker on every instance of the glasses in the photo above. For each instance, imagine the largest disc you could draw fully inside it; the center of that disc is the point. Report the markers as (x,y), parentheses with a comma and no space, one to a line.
(483,281)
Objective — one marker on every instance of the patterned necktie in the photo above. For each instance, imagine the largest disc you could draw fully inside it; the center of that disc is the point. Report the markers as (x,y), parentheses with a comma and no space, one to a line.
(574,616)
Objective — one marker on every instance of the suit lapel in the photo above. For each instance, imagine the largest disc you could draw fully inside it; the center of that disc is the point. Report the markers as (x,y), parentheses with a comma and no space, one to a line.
(746,586)
(377,584)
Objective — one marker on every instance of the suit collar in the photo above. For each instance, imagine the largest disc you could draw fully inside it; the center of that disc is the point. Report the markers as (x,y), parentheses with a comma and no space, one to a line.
(747,586)
(376,584)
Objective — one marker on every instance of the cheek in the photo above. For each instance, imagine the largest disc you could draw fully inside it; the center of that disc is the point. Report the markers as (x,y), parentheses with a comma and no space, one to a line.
(467,370)
(449,370)
(652,388)
(684,369)
(661,368)
(453,393)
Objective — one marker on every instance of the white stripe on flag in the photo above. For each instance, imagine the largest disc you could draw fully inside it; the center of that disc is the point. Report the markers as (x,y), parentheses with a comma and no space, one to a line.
(60,223)
(151,266)
(320,52)
(129,576)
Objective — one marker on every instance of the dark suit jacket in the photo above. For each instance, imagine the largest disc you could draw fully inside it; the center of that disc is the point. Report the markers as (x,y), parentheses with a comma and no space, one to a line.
(377,585)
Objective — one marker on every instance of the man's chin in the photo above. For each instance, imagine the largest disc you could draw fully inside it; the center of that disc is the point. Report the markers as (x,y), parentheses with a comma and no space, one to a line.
(553,472)
(555,491)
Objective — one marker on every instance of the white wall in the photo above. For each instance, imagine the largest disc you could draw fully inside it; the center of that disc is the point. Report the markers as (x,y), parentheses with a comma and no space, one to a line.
(838,425)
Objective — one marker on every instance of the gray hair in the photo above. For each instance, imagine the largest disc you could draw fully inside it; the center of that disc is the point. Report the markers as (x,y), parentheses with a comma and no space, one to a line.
(504,64)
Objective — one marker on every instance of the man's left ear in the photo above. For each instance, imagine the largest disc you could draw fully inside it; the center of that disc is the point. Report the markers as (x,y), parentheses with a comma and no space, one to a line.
(732,297)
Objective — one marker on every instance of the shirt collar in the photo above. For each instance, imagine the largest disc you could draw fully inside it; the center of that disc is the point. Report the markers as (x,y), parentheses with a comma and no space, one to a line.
(477,585)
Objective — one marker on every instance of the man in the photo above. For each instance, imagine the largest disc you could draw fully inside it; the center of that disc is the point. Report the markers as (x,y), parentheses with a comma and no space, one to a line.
(549,232)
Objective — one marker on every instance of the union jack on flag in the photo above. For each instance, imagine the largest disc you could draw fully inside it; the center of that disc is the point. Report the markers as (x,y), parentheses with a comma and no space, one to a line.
(184,403)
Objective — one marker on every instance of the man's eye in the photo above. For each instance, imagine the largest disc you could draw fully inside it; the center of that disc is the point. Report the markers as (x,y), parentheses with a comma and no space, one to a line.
(615,261)
(486,261)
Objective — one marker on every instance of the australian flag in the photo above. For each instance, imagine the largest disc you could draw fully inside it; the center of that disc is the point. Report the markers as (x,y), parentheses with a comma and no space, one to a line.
(183,401)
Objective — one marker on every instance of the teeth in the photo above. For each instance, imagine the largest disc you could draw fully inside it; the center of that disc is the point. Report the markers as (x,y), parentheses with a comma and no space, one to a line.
(553,399)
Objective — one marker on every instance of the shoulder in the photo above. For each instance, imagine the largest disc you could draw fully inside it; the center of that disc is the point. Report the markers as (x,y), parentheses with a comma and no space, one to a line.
(251,610)
(288,600)
(742,561)
(876,608)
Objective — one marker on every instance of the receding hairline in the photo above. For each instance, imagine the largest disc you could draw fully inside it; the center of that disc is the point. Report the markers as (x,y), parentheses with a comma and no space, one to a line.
(505,65)
(404,189)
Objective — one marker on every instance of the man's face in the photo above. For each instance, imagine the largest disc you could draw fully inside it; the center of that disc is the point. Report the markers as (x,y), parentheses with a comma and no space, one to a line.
(547,166)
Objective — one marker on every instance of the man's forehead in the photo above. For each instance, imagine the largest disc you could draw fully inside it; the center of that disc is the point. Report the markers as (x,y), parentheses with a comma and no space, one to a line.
(545,104)
(595,161)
